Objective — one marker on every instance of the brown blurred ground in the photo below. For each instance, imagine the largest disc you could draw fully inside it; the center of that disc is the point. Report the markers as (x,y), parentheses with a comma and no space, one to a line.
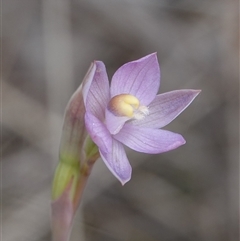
(190,194)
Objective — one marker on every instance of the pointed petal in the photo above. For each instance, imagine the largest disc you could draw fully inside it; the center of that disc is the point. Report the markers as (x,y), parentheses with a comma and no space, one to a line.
(114,123)
(98,132)
(96,92)
(140,78)
(166,107)
(149,140)
(117,162)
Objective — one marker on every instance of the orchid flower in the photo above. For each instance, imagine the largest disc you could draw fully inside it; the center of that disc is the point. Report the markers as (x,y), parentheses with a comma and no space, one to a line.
(129,112)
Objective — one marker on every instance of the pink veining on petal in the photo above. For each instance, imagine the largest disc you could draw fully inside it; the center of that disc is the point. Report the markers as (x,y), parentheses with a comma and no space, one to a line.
(98,94)
(166,107)
(117,162)
(149,140)
(98,132)
(140,78)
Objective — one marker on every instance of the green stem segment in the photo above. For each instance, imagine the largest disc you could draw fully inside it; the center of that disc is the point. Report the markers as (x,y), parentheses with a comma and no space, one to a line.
(69,182)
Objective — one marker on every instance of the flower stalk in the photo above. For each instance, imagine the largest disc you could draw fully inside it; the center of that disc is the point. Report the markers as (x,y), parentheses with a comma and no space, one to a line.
(68,185)
(77,156)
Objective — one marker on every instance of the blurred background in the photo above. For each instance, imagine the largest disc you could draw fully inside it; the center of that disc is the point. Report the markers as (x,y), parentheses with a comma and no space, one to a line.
(189,194)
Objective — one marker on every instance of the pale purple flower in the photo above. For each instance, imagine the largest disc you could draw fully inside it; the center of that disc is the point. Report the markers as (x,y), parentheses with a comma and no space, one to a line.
(131,113)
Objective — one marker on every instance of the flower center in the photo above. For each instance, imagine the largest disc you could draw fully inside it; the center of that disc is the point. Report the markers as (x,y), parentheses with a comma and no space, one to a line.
(127,105)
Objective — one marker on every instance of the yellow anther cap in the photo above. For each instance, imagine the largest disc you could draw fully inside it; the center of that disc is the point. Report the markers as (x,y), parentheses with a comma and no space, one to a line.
(123,105)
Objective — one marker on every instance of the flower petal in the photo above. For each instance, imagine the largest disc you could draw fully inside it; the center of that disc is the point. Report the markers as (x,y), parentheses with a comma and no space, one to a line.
(140,78)
(149,140)
(166,107)
(96,92)
(117,162)
(114,123)
(98,132)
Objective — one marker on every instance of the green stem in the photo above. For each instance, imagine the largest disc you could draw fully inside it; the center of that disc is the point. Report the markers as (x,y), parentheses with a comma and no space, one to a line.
(85,172)
(69,182)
